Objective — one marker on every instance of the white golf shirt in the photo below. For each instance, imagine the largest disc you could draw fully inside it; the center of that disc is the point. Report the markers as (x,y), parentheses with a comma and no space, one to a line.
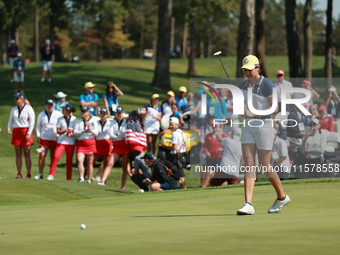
(47,125)
(117,131)
(79,129)
(23,118)
(179,138)
(62,124)
(103,130)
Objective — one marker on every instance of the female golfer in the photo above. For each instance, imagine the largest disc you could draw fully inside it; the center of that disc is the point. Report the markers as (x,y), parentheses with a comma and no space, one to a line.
(258,138)
(103,144)
(86,129)
(151,123)
(46,131)
(22,120)
(65,131)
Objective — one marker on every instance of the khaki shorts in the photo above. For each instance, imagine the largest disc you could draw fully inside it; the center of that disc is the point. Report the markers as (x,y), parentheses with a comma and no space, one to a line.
(19,78)
(11,62)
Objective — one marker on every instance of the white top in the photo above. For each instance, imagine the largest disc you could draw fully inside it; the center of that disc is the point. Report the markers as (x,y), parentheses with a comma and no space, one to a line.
(166,108)
(299,95)
(103,130)
(284,85)
(47,126)
(179,138)
(62,124)
(79,129)
(22,119)
(280,150)
(229,103)
(117,132)
(232,156)
(151,123)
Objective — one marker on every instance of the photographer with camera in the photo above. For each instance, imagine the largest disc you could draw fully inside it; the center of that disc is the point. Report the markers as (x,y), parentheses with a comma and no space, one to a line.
(139,170)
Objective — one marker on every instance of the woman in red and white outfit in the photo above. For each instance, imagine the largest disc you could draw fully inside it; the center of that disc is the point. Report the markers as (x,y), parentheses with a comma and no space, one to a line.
(86,129)
(103,144)
(120,147)
(22,120)
(65,126)
(46,131)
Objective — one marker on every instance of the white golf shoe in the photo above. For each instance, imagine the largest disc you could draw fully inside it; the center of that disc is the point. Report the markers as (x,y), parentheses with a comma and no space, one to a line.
(247,209)
(38,176)
(50,178)
(278,205)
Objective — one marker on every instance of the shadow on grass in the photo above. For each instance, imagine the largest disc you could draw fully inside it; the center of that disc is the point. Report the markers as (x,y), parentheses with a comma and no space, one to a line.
(189,215)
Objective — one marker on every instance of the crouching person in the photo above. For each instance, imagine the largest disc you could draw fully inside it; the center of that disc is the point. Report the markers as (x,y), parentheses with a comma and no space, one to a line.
(160,179)
(139,170)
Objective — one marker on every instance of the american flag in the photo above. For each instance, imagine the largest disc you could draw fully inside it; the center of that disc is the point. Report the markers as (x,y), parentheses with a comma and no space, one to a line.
(136,138)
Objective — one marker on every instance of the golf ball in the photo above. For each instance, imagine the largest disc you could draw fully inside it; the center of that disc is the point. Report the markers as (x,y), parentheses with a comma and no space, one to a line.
(82,226)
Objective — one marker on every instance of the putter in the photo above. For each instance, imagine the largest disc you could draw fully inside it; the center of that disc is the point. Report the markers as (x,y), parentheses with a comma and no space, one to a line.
(218,55)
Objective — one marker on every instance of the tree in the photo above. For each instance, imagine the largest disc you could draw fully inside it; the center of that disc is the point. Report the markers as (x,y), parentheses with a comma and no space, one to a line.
(245,33)
(293,41)
(260,35)
(308,40)
(162,71)
(192,39)
(329,42)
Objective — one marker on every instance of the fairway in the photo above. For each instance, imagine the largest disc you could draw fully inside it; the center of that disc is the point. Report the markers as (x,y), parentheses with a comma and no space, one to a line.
(181,222)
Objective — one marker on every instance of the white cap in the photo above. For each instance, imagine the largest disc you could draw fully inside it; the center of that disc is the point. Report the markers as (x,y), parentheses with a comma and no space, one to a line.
(316,121)
(331,89)
(12,41)
(174,120)
(60,95)
(47,41)
(19,54)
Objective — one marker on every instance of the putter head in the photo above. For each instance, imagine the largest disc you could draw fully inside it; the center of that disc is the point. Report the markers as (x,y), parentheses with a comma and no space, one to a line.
(217,53)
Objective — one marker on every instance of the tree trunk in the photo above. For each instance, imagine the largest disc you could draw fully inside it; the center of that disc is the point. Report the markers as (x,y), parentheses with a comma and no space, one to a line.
(4,47)
(201,45)
(52,26)
(162,71)
(36,34)
(209,50)
(260,35)
(185,39)
(192,36)
(172,40)
(329,42)
(141,46)
(308,40)
(293,40)
(245,34)
(99,46)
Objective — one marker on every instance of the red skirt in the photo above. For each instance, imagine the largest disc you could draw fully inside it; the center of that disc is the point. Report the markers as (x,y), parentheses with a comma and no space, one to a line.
(104,147)
(48,143)
(121,147)
(19,137)
(87,146)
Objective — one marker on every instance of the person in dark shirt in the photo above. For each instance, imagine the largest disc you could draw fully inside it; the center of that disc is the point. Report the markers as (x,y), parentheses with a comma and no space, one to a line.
(12,53)
(46,56)
(19,76)
(160,180)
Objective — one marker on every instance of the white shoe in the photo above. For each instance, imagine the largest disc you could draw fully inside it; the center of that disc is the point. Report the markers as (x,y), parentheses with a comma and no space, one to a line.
(38,176)
(88,181)
(81,179)
(246,209)
(96,179)
(278,205)
(42,79)
(49,79)
(101,183)
(50,178)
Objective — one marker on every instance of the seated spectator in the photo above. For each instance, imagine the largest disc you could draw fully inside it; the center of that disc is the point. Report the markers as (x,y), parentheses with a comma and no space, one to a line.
(333,103)
(280,158)
(139,170)
(60,101)
(160,179)
(89,98)
(181,99)
(326,120)
(166,105)
(111,97)
(306,85)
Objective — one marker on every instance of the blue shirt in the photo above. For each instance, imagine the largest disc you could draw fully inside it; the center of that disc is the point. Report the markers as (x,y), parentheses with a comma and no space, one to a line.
(180,102)
(176,114)
(58,106)
(90,98)
(158,108)
(12,49)
(19,64)
(220,111)
(112,99)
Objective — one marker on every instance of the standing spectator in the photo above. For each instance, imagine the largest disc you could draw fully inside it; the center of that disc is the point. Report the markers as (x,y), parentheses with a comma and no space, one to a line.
(151,122)
(86,129)
(234,128)
(19,75)
(46,131)
(12,53)
(333,103)
(139,170)
(89,98)
(181,99)
(22,119)
(135,136)
(216,109)
(326,120)
(111,97)
(306,85)
(176,113)
(280,158)
(46,55)
(66,142)
(334,61)
(103,144)
(197,111)
(282,84)
(166,105)
(60,101)
(120,147)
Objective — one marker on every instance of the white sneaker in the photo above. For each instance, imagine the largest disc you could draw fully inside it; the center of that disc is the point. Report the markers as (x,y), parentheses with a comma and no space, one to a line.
(278,205)
(50,178)
(96,179)
(81,179)
(88,181)
(38,176)
(42,79)
(101,183)
(49,79)
(246,209)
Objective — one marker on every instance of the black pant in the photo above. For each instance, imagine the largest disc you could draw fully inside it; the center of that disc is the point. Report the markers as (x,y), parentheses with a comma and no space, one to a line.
(173,158)
(138,180)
